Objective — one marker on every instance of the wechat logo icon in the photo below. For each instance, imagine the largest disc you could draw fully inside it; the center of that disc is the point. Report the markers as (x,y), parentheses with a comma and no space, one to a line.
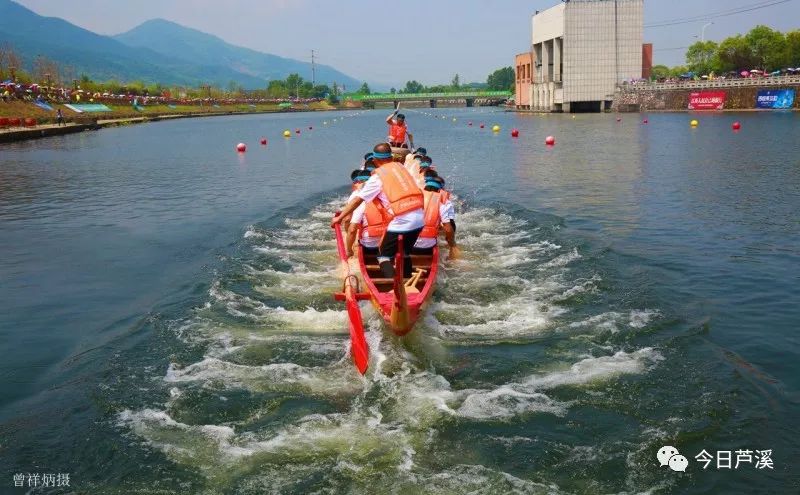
(669,456)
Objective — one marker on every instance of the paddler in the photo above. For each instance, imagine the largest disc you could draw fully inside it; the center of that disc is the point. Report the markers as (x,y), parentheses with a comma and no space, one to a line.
(439,213)
(403,203)
(398,130)
(414,157)
(418,170)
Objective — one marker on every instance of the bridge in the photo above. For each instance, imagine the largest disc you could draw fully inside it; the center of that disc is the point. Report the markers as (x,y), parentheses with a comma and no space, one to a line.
(470,97)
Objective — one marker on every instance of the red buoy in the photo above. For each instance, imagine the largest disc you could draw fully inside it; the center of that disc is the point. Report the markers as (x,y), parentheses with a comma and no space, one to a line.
(514,133)
(736,126)
(264,141)
(241,147)
(469,123)
(645,121)
(297,131)
(310,128)
(619,119)
(482,126)
(550,141)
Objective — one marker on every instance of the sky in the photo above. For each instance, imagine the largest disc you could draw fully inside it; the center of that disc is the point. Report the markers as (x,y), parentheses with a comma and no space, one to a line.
(427,40)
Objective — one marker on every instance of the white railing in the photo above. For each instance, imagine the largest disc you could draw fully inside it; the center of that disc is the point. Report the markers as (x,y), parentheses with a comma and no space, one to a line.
(715,83)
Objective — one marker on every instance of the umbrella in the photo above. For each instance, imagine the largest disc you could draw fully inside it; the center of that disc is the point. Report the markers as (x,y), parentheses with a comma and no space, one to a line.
(744,73)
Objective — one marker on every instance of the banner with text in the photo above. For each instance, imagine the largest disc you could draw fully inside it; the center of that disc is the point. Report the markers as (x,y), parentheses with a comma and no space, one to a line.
(707,100)
(775,98)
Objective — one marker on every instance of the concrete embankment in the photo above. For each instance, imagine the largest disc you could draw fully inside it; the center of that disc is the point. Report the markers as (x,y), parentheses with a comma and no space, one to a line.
(677,99)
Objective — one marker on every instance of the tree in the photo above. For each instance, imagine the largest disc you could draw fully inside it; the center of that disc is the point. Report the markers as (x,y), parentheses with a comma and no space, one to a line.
(413,87)
(701,57)
(293,83)
(456,82)
(501,79)
(793,48)
(393,91)
(735,53)
(277,89)
(660,72)
(678,71)
(44,69)
(364,89)
(769,47)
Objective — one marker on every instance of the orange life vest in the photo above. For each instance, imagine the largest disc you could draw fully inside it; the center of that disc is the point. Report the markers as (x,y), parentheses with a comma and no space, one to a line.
(400,189)
(376,219)
(432,217)
(397,133)
(445,196)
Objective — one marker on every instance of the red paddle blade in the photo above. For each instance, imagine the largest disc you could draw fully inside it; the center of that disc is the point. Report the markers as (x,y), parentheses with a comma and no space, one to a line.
(358,342)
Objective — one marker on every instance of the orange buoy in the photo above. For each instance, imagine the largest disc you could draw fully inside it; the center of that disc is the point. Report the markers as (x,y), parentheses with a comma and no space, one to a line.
(550,141)
(241,147)
(514,133)
(736,126)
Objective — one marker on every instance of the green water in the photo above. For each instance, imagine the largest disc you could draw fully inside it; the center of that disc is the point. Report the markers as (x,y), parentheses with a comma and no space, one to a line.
(169,328)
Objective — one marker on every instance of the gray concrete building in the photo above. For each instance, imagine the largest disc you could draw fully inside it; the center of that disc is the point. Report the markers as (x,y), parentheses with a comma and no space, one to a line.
(583,49)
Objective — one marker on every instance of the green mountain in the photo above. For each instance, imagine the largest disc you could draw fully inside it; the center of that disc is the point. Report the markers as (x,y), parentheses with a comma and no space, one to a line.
(104,58)
(192,46)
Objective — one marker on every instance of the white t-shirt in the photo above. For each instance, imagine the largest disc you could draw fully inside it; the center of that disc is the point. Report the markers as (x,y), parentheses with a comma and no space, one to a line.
(406,222)
(446,213)
(359,218)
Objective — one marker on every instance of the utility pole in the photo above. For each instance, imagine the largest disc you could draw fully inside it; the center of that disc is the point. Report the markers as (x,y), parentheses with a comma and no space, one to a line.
(313,70)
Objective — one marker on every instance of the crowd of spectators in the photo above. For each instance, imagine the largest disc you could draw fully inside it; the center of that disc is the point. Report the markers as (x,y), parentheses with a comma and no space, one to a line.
(11,91)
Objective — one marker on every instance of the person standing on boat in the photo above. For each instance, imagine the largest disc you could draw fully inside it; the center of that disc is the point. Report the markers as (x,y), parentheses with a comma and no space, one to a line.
(403,202)
(439,213)
(398,130)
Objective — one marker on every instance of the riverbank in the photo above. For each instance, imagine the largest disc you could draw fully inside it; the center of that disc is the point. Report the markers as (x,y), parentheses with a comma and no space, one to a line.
(47,127)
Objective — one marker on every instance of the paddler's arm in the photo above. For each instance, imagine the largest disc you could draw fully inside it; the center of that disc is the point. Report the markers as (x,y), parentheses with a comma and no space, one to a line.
(350,208)
(450,237)
(390,118)
(352,233)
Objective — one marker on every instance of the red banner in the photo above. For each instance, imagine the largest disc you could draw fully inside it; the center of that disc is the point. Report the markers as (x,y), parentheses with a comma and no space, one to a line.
(707,100)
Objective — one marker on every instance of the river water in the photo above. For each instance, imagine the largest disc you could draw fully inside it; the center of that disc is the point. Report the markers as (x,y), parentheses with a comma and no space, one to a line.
(167,323)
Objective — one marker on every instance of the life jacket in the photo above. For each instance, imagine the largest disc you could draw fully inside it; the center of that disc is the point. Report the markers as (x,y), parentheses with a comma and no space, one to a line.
(376,219)
(400,189)
(445,195)
(432,218)
(397,133)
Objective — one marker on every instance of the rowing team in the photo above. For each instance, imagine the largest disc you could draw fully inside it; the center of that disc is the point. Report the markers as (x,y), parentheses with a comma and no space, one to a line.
(392,199)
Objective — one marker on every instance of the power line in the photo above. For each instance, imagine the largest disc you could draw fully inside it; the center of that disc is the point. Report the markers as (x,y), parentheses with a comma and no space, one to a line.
(718,14)
(671,49)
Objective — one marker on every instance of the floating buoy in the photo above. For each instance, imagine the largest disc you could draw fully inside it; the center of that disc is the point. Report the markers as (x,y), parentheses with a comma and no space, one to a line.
(287,133)
(482,126)
(496,128)
(297,131)
(694,123)
(325,123)
(311,128)
(469,123)
(550,141)
(454,119)
(619,119)
(645,121)
(736,126)
(573,116)
(241,147)
(514,132)
(264,141)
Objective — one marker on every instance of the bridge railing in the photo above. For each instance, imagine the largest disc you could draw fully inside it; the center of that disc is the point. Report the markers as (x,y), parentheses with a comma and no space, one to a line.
(714,83)
(429,96)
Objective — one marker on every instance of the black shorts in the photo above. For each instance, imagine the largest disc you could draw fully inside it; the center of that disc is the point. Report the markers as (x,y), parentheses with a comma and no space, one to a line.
(388,247)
